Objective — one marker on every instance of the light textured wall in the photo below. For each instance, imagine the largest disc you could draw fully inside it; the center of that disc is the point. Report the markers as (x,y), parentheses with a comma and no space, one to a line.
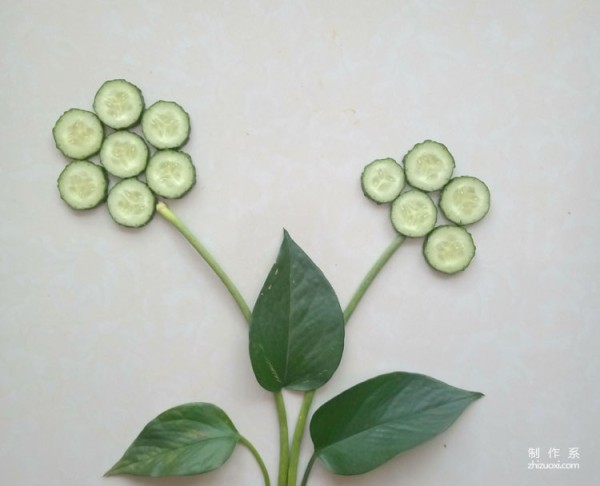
(102,328)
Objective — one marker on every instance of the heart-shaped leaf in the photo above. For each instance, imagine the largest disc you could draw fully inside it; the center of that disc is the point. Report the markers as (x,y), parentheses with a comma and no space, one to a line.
(297,326)
(372,422)
(188,439)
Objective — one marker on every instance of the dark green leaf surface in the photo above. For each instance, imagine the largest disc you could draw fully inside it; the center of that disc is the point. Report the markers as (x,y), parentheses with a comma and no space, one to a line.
(188,439)
(372,422)
(297,327)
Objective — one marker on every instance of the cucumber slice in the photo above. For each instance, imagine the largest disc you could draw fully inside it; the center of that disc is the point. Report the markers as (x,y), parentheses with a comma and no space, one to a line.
(78,134)
(166,125)
(124,154)
(119,103)
(382,180)
(413,214)
(83,184)
(170,173)
(465,200)
(428,166)
(449,249)
(131,203)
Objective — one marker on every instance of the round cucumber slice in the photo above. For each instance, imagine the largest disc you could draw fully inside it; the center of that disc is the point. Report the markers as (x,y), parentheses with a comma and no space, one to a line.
(83,184)
(465,200)
(428,166)
(78,134)
(449,249)
(382,180)
(170,173)
(131,203)
(124,154)
(166,125)
(413,214)
(119,103)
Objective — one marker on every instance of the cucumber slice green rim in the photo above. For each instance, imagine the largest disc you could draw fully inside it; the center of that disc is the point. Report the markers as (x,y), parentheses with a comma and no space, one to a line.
(413,214)
(119,104)
(170,173)
(428,166)
(78,134)
(449,249)
(83,184)
(382,180)
(124,154)
(465,200)
(131,203)
(166,125)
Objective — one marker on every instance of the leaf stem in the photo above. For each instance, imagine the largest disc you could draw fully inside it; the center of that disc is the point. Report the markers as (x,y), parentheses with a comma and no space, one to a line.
(308,469)
(284,445)
(259,460)
(371,274)
(172,218)
(166,213)
(297,439)
(288,466)
(309,396)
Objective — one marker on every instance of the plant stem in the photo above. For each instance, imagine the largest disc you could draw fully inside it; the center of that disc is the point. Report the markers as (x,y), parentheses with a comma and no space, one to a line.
(309,396)
(284,445)
(259,460)
(166,213)
(297,439)
(172,218)
(288,466)
(308,469)
(371,274)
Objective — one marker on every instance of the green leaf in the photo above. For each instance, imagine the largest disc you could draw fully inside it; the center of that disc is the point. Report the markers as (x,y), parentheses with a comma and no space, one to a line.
(372,422)
(297,326)
(188,439)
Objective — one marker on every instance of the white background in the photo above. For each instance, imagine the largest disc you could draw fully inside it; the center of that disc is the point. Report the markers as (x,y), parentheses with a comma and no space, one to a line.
(102,328)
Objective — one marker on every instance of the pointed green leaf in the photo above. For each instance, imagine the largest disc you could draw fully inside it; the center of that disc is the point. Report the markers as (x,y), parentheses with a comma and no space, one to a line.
(372,422)
(297,326)
(188,439)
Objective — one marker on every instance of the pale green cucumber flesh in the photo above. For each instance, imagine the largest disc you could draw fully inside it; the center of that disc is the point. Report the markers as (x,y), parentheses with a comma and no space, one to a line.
(465,200)
(166,125)
(382,180)
(119,104)
(83,184)
(428,166)
(449,249)
(131,203)
(170,173)
(124,154)
(78,134)
(413,214)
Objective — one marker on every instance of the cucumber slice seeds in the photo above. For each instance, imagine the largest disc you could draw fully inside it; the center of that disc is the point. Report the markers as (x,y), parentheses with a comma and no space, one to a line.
(413,214)
(465,200)
(131,203)
(78,134)
(119,104)
(382,180)
(449,249)
(166,125)
(170,173)
(83,184)
(124,154)
(428,166)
